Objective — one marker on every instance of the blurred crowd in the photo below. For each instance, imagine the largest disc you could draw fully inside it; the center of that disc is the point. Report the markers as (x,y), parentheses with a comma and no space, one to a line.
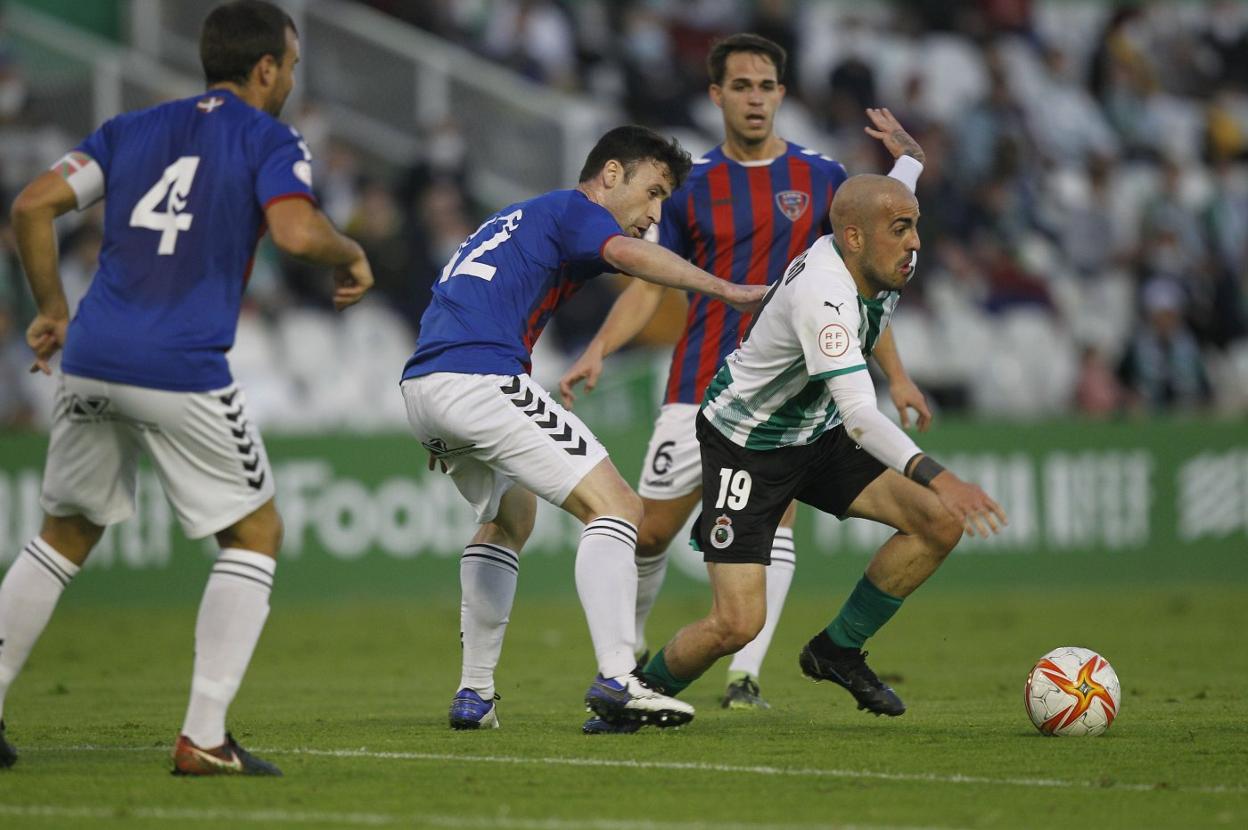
(1085,200)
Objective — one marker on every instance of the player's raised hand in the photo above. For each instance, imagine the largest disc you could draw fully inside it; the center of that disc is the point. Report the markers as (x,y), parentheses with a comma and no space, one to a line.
(746,299)
(45,335)
(906,396)
(978,513)
(352,283)
(588,367)
(889,130)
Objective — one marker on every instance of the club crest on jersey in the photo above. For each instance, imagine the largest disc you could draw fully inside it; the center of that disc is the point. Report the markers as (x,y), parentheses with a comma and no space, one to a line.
(792,203)
(722,533)
(210,104)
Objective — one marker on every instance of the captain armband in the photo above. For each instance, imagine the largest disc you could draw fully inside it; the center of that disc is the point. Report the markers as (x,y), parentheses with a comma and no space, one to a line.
(84,176)
(923,470)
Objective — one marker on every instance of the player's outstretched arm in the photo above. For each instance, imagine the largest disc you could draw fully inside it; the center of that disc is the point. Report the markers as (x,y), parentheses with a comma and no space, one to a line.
(887,129)
(901,388)
(654,263)
(855,398)
(632,310)
(34,211)
(300,229)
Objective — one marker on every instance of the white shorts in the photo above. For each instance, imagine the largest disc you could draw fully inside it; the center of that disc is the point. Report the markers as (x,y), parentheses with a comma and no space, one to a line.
(673,465)
(496,430)
(208,456)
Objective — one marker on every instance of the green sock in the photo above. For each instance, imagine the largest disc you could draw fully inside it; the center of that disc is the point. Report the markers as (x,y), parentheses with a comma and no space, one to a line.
(863,614)
(661,677)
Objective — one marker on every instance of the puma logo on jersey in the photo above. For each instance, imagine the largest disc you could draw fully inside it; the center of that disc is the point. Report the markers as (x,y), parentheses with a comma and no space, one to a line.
(836,306)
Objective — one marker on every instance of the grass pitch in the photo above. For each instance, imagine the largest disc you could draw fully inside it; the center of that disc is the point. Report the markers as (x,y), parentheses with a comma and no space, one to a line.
(350,700)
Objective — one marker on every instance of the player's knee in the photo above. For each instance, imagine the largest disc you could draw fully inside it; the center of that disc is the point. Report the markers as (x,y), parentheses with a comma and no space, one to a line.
(265,535)
(651,540)
(627,506)
(511,533)
(277,531)
(943,531)
(260,532)
(521,530)
(737,630)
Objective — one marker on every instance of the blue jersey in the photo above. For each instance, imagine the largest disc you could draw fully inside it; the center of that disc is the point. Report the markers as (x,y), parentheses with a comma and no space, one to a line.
(185,188)
(494,297)
(743,222)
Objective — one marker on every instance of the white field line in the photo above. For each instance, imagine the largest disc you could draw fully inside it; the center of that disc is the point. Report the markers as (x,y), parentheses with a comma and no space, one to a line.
(271,817)
(701,766)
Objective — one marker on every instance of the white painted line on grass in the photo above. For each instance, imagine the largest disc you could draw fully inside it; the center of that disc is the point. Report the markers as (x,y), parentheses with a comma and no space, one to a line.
(799,772)
(271,817)
(701,766)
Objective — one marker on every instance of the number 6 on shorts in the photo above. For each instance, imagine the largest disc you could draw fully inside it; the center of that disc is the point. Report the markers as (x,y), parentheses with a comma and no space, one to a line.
(734,488)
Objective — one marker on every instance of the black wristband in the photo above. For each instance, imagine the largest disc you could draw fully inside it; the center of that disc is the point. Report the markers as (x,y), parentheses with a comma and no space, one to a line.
(924,470)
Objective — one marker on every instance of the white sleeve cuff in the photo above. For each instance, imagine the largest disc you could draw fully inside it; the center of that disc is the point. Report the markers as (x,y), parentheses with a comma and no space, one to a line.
(907,170)
(866,425)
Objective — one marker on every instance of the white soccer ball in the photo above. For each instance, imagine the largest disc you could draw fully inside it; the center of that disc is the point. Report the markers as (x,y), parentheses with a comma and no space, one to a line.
(1072,691)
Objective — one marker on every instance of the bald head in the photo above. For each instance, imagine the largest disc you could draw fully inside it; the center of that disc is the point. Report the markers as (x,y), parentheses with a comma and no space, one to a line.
(864,200)
(875,220)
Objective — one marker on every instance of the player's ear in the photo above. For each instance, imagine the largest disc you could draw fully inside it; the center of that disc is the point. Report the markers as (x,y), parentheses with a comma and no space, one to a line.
(612,173)
(853,238)
(716,94)
(264,73)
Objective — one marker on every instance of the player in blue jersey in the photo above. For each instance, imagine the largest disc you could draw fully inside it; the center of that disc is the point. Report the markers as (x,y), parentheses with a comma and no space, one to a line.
(749,206)
(503,439)
(189,188)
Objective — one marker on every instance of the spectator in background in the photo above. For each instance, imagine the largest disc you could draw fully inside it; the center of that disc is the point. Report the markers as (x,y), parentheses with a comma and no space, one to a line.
(378,226)
(992,123)
(1090,234)
(15,359)
(536,38)
(1226,223)
(1098,392)
(653,92)
(1068,126)
(441,224)
(13,88)
(1163,366)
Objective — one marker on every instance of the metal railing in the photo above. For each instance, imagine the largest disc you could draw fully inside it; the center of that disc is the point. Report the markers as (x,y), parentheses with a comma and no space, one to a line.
(79,80)
(384,83)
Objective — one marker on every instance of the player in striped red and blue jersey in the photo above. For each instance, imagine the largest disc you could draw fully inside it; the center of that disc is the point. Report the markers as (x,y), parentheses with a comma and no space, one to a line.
(749,206)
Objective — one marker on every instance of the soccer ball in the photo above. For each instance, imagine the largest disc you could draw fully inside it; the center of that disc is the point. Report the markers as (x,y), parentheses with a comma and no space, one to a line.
(1072,691)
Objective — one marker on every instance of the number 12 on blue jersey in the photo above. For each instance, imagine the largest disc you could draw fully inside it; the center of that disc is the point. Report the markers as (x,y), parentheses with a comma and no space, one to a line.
(469,265)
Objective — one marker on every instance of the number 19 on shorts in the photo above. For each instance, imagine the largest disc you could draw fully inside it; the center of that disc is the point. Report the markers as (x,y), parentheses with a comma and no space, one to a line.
(734,488)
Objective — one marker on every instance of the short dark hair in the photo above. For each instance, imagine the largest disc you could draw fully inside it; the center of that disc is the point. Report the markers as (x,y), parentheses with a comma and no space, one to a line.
(717,60)
(237,35)
(630,145)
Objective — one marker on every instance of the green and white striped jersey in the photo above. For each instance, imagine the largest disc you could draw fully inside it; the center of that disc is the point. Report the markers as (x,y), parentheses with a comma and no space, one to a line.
(773,391)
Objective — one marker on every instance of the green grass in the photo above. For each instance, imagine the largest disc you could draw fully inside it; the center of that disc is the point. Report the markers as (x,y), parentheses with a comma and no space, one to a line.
(333,688)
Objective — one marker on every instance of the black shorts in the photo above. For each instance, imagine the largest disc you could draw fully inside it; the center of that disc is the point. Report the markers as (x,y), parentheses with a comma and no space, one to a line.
(745,492)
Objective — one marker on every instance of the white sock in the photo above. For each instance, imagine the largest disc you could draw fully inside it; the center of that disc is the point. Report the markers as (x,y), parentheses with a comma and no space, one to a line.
(231,617)
(650,573)
(487,581)
(28,595)
(606,581)
(779,577)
